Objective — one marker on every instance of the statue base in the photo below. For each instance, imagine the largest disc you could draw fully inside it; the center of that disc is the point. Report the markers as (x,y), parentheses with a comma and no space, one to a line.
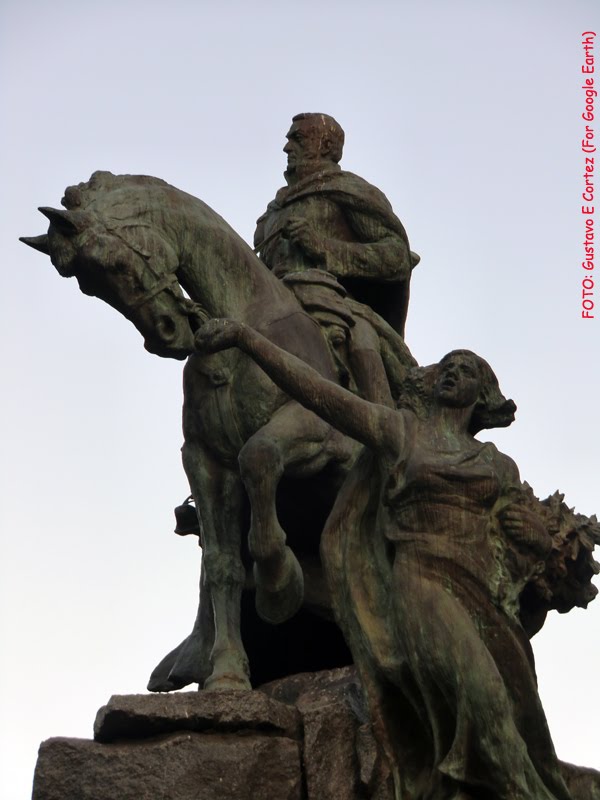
(305,737)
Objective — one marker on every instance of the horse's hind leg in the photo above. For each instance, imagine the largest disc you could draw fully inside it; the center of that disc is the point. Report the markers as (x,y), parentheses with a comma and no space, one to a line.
(294,442)
(218,493)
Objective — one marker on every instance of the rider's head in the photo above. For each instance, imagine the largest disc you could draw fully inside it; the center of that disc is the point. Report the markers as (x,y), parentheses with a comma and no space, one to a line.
(313,141)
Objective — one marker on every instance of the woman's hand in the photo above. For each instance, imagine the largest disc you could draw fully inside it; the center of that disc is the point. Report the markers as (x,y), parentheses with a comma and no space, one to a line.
(218,334)
(525,528)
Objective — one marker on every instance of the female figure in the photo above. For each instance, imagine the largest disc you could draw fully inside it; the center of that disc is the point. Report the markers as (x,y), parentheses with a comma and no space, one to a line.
(419,557)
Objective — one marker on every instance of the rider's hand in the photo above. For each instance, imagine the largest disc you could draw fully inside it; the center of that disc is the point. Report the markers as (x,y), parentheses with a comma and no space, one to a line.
(299,231)
(217,334)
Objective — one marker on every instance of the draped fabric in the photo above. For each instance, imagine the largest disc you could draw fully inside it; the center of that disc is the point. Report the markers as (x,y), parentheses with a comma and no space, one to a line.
(414,563)
(367,247)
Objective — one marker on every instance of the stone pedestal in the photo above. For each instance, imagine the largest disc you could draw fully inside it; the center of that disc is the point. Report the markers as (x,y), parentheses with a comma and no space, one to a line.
(306,737)
(189,746)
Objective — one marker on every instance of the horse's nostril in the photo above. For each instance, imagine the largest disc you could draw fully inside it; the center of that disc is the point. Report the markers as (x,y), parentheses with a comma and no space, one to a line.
(166,327)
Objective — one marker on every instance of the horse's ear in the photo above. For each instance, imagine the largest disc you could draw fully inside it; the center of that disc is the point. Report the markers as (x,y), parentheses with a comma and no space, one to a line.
(66,222)
(37,242)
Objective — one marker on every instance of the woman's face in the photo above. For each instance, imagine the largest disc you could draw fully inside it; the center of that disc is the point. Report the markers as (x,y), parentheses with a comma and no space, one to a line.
(458,384)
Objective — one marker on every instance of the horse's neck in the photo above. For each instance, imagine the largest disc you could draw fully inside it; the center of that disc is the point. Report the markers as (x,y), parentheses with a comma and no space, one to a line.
(221,273)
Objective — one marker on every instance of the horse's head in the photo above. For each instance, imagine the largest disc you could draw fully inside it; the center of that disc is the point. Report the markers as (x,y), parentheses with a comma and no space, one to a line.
(123,259)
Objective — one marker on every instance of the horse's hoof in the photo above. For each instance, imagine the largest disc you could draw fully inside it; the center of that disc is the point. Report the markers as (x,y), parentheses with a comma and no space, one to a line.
(224,682)
(229,671)
(278,601)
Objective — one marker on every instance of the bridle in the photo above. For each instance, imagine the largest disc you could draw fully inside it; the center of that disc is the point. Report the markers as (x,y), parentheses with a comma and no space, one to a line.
(167,283)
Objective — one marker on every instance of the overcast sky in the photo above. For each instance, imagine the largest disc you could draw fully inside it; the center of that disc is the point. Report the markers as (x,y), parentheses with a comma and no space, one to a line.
(466,114)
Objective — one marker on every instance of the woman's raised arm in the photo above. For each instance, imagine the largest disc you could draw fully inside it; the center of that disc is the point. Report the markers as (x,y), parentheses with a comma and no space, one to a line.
(376,426)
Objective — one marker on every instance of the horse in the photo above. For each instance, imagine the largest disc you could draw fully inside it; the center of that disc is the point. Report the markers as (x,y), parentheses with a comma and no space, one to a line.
(168,262)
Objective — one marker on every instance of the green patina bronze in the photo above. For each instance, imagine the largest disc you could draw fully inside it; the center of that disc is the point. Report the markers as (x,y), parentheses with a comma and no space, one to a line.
(339,485)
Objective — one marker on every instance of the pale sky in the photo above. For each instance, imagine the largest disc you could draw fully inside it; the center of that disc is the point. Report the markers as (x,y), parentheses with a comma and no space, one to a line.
(466,114)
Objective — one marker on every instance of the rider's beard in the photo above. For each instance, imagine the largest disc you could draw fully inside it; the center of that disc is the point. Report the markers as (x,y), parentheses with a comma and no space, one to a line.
(302,169)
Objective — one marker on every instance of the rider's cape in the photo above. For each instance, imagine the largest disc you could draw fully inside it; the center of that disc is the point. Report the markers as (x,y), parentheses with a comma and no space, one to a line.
(388,297)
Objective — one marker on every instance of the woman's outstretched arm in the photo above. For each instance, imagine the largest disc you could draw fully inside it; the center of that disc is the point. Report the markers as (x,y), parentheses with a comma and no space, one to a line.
(374,425)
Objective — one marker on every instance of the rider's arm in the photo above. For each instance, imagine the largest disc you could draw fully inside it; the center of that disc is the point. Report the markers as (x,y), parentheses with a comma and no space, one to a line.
(379,254)
(376,253)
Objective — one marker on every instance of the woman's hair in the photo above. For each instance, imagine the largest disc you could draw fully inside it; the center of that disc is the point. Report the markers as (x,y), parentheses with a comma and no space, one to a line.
(492,409)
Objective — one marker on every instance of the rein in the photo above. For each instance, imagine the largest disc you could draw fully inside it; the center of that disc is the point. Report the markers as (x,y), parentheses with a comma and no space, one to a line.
(166,282)
(162,283)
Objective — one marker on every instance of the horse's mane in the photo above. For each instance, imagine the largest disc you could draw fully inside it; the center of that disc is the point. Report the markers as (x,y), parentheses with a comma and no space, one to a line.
(145,213)
(103,183)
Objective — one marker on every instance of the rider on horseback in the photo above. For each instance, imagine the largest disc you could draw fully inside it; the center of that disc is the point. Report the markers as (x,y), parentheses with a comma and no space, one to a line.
(331,236)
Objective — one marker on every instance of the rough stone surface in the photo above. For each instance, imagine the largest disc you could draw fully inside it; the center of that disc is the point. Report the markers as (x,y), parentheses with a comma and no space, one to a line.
(375,775)
(185,766)
(330,762)
(332,710)
(338,682)
(341,759)
(582,782)
(138,716)
(306,737)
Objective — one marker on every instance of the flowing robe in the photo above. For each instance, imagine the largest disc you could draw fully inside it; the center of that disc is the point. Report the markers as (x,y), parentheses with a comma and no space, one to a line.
(415,560)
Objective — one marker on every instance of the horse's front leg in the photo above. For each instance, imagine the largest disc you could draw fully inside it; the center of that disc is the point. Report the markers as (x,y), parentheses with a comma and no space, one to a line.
(218,493)
(297,443)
